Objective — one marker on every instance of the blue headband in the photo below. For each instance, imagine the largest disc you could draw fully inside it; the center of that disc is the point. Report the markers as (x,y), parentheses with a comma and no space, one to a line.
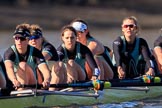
(34,37)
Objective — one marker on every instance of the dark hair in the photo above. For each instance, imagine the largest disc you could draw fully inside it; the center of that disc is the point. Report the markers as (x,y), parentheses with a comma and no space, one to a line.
(68,27)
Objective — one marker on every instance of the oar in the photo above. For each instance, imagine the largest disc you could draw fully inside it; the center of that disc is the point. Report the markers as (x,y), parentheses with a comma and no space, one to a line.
(100,85)
(47,92)
(146,89)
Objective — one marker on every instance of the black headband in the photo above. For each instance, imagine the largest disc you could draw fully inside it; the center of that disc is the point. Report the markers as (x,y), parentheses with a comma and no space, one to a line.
(23,32)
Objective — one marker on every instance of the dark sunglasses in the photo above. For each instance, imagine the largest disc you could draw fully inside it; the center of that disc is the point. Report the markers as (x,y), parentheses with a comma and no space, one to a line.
(34,37)
(20,38)
(130,26)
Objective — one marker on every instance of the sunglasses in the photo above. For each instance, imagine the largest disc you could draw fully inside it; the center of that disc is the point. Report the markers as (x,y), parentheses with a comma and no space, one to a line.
(20,38)
(130,26)
(34,37)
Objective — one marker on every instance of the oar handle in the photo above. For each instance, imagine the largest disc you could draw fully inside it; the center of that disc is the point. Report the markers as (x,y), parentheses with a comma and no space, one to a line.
(99,85)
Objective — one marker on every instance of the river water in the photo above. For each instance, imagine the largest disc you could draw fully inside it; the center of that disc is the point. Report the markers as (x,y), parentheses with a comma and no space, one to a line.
(106,37)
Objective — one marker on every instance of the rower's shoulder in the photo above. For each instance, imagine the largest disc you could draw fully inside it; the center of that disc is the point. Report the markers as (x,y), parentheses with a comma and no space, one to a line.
(142,40)
(94,43)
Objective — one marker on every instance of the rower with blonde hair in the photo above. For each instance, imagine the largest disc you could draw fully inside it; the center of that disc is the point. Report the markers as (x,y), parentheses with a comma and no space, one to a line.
(132,55)
(21,60)
(49,52)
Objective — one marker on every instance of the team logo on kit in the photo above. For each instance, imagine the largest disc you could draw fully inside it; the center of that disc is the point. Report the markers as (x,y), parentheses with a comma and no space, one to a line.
(41,60)
(117,42)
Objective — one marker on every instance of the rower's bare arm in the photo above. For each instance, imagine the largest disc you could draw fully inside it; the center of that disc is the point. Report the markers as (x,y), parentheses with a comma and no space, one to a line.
(96,47)
(45,71)
(158,54)
(46,56)
(10,70)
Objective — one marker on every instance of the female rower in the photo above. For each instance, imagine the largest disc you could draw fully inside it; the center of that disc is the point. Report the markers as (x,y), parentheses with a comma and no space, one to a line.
(100,52)
(22,59)
(132,54)
(49,52)
(74,55)
(158,52)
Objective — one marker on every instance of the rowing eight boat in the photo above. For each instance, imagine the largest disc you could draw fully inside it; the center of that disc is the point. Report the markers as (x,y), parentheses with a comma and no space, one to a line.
(66,98)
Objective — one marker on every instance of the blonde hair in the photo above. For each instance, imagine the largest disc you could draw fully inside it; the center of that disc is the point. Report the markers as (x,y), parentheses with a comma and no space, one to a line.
(23,26)
(131,18)
(34,27)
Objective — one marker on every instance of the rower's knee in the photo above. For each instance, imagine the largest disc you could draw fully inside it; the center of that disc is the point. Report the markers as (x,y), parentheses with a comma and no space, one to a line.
(71,62)
(22,65)
(58,67)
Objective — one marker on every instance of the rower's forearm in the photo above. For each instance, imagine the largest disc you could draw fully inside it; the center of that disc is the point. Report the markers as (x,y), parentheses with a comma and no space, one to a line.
(11,75)
(160,60)
(46,72)
(47,76)
(10,70)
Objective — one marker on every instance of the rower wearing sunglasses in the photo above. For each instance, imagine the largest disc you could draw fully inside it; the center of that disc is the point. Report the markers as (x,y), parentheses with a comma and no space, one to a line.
(132,55)
(21,60)
(49,52)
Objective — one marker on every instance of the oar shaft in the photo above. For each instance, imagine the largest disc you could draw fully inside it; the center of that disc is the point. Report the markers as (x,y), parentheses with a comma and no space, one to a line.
(156,81)
(82,85)
(131,88)
(79,85)
(123,84)
(100,85)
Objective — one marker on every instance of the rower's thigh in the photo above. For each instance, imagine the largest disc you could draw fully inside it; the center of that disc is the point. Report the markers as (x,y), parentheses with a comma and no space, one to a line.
(108,72)
(31,75)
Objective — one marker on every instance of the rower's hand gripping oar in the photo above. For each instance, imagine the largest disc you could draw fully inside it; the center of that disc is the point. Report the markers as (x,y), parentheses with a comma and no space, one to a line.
(96,84)
(100,85)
